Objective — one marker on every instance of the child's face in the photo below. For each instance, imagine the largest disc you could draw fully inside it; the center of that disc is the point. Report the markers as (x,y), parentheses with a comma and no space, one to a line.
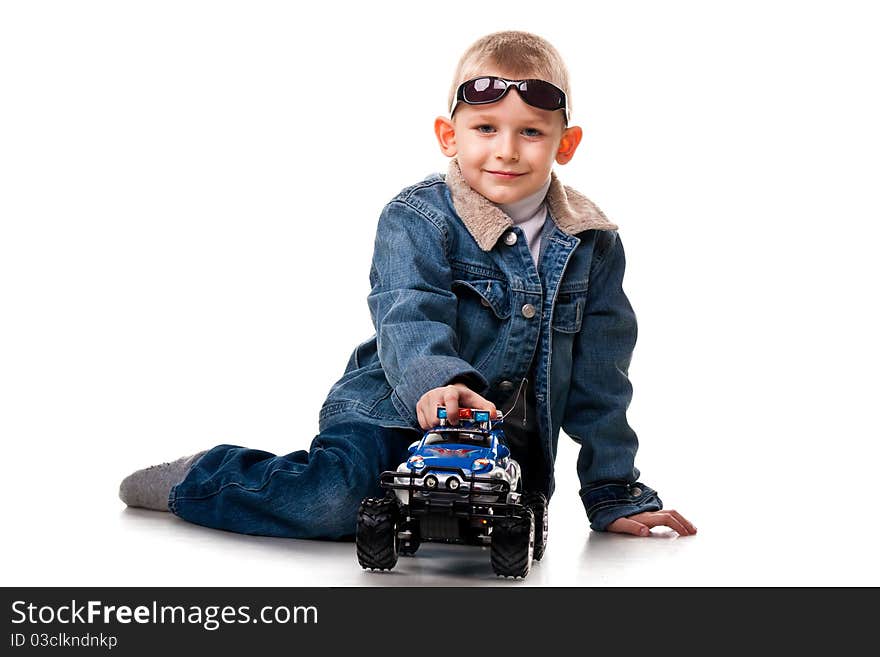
(506,136)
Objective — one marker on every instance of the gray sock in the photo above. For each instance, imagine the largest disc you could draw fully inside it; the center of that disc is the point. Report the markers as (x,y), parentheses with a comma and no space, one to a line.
(149,488)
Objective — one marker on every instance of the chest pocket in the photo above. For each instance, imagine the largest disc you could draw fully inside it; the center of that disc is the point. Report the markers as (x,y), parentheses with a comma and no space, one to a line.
(492,295)
(568,313)
(483,308)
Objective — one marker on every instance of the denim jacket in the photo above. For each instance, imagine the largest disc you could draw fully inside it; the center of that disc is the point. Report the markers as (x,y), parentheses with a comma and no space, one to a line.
(456,296)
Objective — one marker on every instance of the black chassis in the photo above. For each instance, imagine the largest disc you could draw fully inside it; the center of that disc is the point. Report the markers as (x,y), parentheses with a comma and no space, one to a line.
(452,505)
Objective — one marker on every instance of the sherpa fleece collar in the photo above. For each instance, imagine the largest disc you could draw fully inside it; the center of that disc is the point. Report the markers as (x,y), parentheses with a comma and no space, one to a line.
(572,211)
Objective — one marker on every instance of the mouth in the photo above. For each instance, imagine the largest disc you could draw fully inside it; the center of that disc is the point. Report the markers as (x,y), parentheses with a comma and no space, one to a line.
(505,174)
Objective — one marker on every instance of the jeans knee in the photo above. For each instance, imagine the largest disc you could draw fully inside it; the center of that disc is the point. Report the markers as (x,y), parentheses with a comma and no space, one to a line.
(357,478)
(344,484)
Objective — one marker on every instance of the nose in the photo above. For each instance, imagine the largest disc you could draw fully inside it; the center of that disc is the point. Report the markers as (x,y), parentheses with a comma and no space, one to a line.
(507,147)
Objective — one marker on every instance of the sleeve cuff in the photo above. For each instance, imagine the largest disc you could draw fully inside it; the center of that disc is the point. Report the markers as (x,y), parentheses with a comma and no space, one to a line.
(608,501)
(473,380)
(433,372)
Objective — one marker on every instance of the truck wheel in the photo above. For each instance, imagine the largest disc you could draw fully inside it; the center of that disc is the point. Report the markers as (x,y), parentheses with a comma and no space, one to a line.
(513,543)
(537,502)
(409,546)
(376,536)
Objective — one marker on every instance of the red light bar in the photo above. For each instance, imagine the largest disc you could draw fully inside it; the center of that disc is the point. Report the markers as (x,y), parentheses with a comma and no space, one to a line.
(464,413)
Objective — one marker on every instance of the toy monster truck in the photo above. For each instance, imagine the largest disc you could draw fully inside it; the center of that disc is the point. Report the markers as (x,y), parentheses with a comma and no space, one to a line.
(459,485)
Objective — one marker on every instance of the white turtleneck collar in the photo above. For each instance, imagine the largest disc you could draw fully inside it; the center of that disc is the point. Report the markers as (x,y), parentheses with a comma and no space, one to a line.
(530,214)
(526,208)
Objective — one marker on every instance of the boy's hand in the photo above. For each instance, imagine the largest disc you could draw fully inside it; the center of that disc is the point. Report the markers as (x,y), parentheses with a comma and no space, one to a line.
(640,524)
(452,397)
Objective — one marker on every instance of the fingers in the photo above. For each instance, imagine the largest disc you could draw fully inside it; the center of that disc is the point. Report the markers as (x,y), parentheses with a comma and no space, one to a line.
(684,521)
(485,403)
(628,526)
(453,397)
(450,400)
(468,397)
(639,524)
(426,409)
(666,518)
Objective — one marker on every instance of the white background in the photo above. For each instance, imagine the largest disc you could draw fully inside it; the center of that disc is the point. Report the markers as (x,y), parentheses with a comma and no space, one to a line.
(187,229)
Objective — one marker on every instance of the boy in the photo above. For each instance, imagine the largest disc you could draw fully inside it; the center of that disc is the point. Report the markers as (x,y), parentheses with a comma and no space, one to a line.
(492,286)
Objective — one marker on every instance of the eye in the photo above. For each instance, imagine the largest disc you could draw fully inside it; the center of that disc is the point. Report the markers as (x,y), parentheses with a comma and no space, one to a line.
(479,128)
(537,133)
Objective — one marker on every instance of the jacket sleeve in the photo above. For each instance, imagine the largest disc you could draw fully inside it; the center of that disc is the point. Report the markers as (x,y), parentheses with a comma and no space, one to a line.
(600,393)
(414,309)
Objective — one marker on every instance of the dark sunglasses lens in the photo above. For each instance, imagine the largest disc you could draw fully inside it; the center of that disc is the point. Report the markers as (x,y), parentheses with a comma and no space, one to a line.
(542,94)
(483,90)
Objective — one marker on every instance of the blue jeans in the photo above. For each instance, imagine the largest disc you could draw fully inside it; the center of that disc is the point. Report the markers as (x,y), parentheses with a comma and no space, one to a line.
(312,494)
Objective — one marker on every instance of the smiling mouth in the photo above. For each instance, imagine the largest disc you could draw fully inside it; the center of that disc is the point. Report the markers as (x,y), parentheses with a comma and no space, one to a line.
(503,174)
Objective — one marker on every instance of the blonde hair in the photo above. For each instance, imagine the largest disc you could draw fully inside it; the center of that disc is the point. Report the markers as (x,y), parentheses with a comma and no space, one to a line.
(520,54)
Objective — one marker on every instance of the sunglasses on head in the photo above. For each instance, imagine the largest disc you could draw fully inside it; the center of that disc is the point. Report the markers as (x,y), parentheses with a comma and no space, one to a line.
(491,89)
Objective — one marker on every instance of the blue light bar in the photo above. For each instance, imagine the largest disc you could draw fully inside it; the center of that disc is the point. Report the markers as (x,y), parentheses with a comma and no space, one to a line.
(441,413)
(481,416)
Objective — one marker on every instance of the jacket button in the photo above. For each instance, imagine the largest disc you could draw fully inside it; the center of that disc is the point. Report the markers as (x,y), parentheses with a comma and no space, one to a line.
(506,386)
(528,311)
(636,492)
(510,238)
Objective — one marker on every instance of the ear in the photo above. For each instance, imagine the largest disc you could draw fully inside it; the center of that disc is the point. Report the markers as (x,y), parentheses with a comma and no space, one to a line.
(445,131)
(568,144)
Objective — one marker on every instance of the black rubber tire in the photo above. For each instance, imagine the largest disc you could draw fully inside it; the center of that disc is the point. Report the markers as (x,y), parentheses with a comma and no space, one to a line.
(513,543)
(376,536)
(537,502)
(410,547)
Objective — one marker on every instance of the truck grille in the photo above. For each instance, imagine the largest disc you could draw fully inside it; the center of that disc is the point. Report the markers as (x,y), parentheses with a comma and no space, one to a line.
(439,526)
